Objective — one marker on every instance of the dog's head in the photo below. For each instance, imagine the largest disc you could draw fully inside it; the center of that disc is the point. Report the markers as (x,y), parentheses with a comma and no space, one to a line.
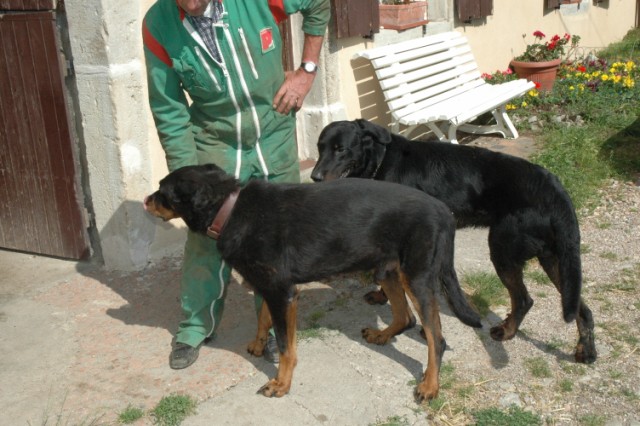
(193,193)
(350,149)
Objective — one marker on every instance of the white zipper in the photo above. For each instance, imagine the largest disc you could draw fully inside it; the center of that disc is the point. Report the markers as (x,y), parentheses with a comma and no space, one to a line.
(245,89)
(248,53)
(206,66)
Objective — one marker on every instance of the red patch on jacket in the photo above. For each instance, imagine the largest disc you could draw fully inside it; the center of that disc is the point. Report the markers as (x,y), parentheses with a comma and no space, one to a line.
(266,39)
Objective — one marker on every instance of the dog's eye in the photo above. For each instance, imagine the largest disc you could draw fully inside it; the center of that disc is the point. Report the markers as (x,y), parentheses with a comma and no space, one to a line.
(338,148)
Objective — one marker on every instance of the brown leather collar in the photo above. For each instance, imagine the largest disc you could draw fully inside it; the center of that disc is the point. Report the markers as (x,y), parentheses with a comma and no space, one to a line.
(220,220)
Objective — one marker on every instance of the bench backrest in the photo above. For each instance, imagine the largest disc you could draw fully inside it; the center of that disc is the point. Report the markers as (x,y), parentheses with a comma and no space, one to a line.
(418,73)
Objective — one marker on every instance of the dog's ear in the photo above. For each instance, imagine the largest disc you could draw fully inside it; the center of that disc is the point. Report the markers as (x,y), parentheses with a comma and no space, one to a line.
(376,133)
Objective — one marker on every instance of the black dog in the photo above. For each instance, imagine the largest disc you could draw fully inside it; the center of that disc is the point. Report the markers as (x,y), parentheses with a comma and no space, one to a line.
(528,212)
(278,235)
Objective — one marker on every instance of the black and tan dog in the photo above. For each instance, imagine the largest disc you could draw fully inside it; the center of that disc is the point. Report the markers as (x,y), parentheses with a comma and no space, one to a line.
(528,212)
(280,235)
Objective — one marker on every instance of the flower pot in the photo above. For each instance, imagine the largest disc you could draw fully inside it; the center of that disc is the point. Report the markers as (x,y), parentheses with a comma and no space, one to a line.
(403,16)
(543,73)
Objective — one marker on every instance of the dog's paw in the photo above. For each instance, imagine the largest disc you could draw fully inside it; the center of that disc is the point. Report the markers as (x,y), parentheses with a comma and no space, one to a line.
(503,331)
(256,347)
(274,388)
(585,354)
(376,297)
(424,393)
(374,336)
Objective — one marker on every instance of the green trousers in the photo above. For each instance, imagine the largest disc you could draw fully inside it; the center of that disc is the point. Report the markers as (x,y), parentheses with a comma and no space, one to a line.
(205,274)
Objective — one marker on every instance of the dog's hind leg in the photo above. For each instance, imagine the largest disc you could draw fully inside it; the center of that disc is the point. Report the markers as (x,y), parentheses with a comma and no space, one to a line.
(403,318)
(508,254)
(521,302)
(426,304)
(256,347)
(284,316)
(586,348)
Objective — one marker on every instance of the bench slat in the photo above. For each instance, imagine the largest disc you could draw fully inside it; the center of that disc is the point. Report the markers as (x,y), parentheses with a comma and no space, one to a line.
(437,84)
(424,65)
(407,45)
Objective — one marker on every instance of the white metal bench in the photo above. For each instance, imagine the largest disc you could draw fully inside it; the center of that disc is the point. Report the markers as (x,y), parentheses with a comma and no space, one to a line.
(435,81)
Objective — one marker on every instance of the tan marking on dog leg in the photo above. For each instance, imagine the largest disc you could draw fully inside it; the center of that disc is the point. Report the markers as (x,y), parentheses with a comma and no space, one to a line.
(280,385)
(402,316)
(429,387)
(256,347)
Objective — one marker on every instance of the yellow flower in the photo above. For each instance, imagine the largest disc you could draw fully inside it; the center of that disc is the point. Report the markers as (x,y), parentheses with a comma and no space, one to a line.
(511,107)
(533,93)
(628,82)
(604,77)
(617,78)
(524,104)
(581,87)
(630,65)
(571,88)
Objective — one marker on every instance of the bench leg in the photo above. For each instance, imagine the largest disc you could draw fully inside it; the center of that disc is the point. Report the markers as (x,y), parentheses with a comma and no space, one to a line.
(438,132)
(503,125)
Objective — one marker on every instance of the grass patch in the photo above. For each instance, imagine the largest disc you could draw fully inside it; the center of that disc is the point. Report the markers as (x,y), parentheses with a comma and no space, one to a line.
(487,290)
(173,409)
(514,416)
(538,367)
(609,255)
(592,420)
(538,277)
(565,385)
(447,375)
(394,421)
(130,415)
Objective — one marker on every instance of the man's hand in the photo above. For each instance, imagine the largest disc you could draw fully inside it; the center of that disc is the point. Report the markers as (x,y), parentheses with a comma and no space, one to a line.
(293,91)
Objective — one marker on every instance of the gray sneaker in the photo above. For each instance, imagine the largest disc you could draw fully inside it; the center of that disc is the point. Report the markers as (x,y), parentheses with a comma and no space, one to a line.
(271,352)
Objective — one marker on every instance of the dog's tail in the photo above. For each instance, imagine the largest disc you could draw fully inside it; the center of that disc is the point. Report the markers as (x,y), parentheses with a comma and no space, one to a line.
(457,300)
(565,227)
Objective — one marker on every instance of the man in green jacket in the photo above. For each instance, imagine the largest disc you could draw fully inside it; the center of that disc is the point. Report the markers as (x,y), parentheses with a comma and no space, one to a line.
(219,94)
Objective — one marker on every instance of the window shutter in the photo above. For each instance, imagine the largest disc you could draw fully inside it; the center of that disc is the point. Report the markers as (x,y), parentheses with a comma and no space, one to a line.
(473,9)
(355,18)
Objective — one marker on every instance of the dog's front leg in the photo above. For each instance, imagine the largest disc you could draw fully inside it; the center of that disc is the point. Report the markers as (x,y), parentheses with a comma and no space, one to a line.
(280,385)
(256,347)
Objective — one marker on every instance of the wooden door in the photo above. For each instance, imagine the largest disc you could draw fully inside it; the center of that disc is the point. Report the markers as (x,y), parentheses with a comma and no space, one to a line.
(41,202)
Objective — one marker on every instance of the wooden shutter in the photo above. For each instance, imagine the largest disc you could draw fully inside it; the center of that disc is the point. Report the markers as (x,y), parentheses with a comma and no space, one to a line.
(473,9)
(356,18)
(23,5)
(555,4)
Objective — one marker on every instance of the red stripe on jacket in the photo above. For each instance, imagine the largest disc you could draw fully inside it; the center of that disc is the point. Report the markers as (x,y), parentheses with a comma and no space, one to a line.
(154,45)
(277,10)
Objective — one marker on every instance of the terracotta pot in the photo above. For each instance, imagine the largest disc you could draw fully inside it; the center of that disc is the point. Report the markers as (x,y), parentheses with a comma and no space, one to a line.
(403,16)
(543,73)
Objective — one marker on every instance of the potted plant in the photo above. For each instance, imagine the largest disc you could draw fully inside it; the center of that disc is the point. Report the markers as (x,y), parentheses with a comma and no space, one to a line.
(540,61)
(402,14)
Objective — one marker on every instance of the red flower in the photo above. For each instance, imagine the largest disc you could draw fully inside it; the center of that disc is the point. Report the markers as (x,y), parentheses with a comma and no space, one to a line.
(555,38)
(582,68)
(539,34)
(537,84)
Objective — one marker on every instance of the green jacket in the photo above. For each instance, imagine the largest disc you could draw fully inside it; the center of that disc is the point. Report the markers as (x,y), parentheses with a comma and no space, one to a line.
(229,104)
